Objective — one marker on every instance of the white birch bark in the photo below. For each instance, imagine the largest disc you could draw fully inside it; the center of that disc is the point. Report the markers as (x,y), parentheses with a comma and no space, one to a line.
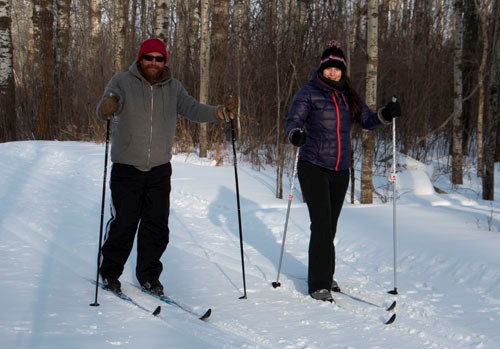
(371,101)
(7,93)
(162,19)
(204,69)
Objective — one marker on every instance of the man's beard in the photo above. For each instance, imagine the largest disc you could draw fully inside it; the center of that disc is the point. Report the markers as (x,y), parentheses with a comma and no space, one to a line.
(152,73)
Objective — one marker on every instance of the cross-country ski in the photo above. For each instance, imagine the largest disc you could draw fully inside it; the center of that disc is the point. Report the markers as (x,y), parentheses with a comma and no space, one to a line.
(130,300)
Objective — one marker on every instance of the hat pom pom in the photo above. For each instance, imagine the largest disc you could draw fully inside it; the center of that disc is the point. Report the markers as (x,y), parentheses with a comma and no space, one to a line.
(334,44)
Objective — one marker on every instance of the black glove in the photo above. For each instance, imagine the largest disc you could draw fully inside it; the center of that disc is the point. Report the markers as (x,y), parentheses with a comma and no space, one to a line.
(391,111)
(297,137)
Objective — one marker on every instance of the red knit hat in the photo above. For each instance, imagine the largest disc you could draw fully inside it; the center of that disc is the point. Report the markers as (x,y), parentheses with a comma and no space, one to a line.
(152,45)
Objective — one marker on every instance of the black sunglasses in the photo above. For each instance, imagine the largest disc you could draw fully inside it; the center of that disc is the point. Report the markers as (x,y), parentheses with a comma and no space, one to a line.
(150,58)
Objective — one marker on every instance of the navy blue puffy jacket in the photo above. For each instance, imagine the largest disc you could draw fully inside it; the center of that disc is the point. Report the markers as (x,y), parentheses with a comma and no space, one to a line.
(323,113)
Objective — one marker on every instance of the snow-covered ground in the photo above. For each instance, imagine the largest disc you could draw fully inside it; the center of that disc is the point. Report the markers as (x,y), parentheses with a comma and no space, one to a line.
(448,262)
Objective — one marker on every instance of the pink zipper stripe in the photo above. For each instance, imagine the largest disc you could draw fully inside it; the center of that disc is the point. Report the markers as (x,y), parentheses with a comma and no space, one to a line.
(338,131)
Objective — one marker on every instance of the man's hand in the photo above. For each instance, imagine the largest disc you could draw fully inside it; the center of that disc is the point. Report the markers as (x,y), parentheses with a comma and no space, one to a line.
(229,109)
(109,106)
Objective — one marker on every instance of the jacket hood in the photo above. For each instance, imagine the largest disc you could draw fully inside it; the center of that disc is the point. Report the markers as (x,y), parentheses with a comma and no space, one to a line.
(136,71)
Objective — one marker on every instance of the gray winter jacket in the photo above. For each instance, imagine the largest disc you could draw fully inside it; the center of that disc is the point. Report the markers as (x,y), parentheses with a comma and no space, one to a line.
(144,125)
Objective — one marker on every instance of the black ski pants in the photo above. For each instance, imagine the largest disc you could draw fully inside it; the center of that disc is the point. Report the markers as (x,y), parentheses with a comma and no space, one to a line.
(324,191)
(140,202)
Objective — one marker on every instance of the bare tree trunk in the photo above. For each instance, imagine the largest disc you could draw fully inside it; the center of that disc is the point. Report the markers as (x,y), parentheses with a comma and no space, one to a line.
(371,101)
(43,31)
(457,155)
(469,69)
(218,49)
(481,76)
(492,123)
(219,43)
(204,69)
(145,18)
(95,70)
(120,35)
(351,43)
(95,27)
(132,30)
(63,89)
(241,7)
(280,148)
(162,19)
(7,91)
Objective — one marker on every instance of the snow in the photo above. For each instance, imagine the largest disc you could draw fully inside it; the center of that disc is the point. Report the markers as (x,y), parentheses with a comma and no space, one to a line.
(447,248)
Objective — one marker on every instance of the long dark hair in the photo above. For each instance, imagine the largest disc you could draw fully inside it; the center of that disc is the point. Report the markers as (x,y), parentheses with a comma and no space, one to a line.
(352,98)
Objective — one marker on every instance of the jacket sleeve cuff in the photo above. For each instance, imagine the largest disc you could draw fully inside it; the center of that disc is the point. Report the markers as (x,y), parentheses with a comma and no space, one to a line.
(381,118)
(290,134)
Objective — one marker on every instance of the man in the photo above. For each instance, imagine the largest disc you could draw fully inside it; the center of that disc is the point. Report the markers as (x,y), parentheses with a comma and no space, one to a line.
(143,103)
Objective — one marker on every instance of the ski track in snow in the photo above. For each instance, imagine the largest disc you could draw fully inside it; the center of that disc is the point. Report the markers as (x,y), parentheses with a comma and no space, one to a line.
(422,311)
(49,219)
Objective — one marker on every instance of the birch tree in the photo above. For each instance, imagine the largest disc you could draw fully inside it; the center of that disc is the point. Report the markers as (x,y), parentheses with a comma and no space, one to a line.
(7,93)
(371,100)
(241,8)
(352,23)
(95,27)
(120,31)
(161,23)
(204,69)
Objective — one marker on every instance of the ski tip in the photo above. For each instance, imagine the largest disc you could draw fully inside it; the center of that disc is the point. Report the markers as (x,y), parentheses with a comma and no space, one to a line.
(206,315)
(157,311)
(276,284)
(391,307)
(391,319)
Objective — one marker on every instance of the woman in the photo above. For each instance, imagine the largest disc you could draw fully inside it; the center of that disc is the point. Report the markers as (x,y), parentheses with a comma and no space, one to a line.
(320,122)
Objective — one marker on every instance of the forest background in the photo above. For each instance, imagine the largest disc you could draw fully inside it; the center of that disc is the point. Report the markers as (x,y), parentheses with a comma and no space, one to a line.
(440,57)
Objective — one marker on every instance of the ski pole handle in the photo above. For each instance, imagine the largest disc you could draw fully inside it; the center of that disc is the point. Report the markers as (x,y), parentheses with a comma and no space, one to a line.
(226,117)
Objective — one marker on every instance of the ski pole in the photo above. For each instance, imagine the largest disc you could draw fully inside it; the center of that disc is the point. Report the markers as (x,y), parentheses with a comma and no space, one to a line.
(233,136)
(290,198)
(95,304)
(394,198)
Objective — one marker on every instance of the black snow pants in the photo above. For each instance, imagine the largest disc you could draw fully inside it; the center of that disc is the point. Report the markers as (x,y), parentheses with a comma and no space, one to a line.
(140,202)
(324,191)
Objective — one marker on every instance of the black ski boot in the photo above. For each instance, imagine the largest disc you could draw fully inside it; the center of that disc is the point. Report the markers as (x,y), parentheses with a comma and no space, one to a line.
(322,295)
(112,285)
(335,286)
(154,287)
